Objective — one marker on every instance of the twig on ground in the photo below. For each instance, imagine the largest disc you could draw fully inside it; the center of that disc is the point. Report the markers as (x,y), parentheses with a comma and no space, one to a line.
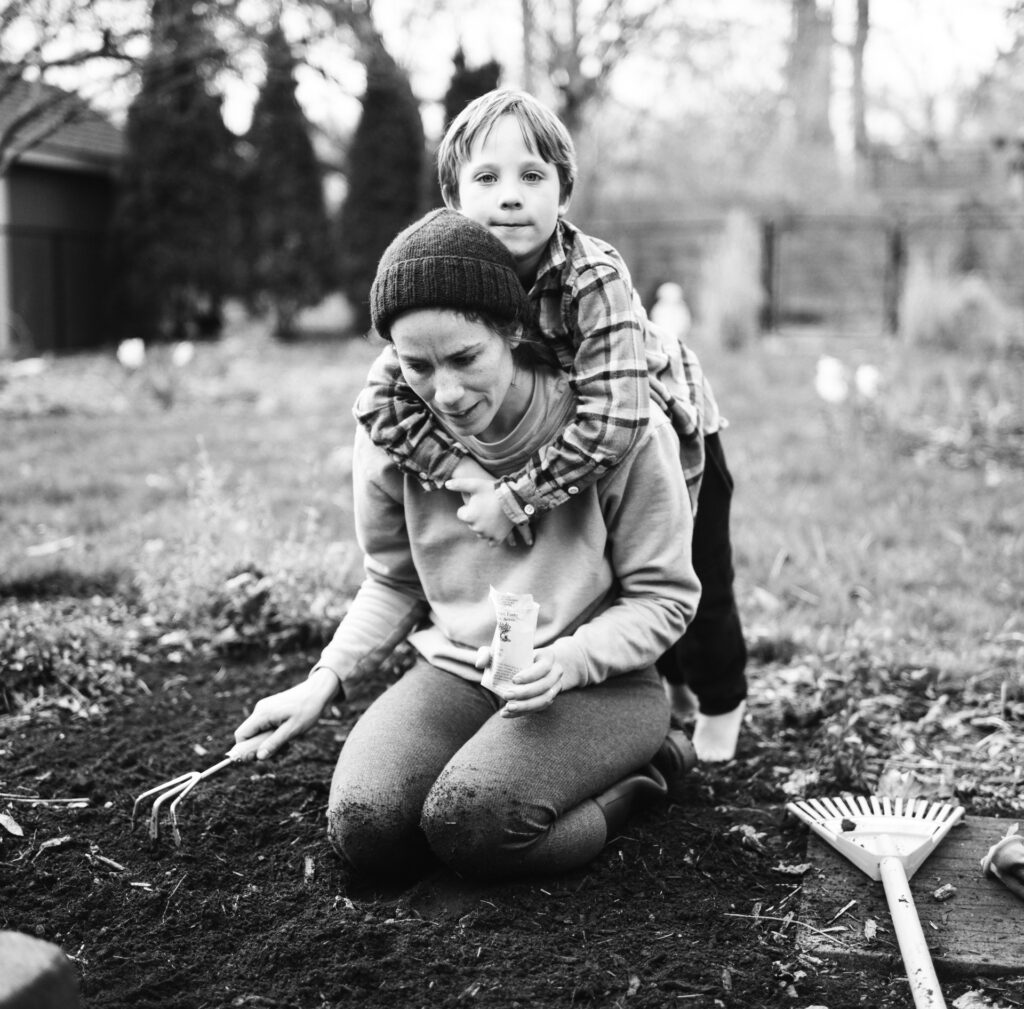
(793,921)
(37,800)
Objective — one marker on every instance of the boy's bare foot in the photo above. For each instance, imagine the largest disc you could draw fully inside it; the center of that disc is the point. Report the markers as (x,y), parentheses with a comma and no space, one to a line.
(715,736)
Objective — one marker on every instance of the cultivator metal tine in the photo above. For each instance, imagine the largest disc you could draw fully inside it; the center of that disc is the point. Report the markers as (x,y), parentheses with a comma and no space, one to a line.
(176,789)
(169,788)
(185,785)
(173,812)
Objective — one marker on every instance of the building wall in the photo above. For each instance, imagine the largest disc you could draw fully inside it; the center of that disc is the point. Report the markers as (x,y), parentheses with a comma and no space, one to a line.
(55,235)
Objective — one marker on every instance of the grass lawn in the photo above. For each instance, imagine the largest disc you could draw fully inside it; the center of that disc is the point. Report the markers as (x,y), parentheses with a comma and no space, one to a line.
(897,521)
(892,525)
(95,468)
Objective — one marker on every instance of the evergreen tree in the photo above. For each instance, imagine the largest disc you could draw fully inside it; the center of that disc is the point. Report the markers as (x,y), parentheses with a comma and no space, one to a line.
(466,84)
(385,169)
(289,252)
(175,220)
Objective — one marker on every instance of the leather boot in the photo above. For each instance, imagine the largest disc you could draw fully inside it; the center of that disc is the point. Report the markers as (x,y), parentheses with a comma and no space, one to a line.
(676,755)
(619,801)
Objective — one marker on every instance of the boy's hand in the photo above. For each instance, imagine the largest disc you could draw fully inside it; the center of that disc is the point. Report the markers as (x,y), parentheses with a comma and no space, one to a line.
(483,513)
(290,712)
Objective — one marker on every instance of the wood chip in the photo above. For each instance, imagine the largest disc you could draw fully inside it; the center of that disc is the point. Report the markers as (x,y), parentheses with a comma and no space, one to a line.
(11,825)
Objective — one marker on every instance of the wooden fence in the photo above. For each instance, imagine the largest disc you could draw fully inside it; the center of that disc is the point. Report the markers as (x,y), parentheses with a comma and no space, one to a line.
(842,271)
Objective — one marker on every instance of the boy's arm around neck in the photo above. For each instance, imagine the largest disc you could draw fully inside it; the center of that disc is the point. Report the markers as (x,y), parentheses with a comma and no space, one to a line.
(399,422)
(609,378)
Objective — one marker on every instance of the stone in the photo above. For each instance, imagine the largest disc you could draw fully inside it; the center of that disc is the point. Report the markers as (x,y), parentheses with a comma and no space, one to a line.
(35,974)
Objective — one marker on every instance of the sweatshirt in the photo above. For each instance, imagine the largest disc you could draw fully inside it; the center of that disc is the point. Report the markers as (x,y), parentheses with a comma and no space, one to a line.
(611,569)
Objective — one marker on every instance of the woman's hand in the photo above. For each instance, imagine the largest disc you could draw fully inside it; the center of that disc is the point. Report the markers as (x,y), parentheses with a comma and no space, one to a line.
(290,712)
(533,688)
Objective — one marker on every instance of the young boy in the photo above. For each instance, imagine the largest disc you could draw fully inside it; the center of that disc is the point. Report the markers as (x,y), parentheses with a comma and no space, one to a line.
(508,163)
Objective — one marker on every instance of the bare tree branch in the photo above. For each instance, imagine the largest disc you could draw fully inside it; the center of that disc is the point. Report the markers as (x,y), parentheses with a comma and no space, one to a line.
(585,46)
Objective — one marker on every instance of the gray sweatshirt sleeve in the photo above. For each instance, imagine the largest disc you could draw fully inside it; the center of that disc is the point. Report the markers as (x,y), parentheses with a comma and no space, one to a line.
(389,603)
(650,527)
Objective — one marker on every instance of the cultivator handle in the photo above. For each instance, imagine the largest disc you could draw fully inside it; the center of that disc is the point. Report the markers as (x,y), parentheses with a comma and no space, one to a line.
(917,958)
(246,749)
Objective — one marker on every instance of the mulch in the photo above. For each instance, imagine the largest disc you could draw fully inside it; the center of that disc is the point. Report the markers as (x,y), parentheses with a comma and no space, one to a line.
(698,905)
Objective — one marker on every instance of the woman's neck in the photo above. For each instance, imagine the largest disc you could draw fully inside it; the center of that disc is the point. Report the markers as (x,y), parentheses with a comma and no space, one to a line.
(513,407)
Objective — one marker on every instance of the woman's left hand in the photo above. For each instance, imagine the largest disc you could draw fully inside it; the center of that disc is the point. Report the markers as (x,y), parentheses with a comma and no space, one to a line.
(535,687)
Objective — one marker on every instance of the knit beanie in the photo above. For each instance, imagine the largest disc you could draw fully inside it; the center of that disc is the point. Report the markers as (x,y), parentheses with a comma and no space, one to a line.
(445,260)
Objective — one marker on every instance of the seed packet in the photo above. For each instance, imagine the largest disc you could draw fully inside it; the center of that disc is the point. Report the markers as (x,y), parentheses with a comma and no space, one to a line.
(512,644)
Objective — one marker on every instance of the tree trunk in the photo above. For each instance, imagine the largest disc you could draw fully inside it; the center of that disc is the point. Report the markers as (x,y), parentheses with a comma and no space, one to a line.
(810,73)
(860,128)
(527,9)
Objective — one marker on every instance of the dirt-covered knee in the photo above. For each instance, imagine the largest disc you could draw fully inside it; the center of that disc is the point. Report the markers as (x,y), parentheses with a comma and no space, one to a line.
(477,830)
(372,840)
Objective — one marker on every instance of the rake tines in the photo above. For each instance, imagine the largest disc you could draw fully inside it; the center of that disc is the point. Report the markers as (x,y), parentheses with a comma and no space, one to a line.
(889,839)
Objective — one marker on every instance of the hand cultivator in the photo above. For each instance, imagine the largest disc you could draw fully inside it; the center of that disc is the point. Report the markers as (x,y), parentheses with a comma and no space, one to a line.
(178,788)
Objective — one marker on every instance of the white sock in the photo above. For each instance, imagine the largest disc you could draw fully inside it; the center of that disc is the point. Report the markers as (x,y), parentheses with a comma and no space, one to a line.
(715,736)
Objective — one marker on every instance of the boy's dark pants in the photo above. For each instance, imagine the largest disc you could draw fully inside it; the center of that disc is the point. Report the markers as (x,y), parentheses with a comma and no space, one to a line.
(711,657)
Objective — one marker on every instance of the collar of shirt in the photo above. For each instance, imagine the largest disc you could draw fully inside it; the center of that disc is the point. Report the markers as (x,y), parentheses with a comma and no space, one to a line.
(551,268)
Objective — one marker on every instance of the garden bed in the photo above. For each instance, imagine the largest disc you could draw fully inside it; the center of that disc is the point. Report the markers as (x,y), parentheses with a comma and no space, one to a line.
(697,905)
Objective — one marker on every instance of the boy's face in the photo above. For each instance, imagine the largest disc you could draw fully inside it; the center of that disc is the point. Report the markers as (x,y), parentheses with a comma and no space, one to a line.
(512,192)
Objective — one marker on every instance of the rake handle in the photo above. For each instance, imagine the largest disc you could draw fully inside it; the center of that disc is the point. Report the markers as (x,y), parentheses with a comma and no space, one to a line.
(917,959)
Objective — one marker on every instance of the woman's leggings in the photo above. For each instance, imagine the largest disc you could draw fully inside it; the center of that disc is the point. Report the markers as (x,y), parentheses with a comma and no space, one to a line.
(432,770)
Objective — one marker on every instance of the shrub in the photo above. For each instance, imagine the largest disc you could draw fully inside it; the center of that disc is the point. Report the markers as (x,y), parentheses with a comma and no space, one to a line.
(63,653)
(953,312)
(235,582)
(731,295)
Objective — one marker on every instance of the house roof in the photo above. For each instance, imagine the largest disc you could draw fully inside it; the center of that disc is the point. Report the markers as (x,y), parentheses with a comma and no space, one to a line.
(64,133)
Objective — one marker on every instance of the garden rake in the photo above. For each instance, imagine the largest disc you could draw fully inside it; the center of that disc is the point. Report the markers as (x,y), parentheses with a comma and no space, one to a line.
(178,788)
(889,839)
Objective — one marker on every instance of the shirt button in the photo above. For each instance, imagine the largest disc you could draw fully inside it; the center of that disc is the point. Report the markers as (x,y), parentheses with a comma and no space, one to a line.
(529,509)
(574,490)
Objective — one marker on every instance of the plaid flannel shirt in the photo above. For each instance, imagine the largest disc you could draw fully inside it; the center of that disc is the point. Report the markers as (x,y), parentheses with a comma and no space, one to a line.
(617,361)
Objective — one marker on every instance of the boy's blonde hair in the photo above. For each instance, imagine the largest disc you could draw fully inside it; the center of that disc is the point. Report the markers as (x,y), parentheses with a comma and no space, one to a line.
(543,131)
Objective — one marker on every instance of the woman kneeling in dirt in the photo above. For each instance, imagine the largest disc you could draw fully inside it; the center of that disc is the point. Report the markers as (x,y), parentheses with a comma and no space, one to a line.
(439,766)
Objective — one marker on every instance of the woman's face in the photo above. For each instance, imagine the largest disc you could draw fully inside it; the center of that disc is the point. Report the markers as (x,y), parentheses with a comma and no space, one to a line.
(461,369)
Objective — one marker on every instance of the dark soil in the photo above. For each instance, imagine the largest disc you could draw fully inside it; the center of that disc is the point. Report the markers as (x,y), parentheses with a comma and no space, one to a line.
(253,909)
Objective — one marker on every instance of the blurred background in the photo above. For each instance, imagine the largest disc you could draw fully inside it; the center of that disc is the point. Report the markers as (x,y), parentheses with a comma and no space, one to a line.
(856,165)
(828,195)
